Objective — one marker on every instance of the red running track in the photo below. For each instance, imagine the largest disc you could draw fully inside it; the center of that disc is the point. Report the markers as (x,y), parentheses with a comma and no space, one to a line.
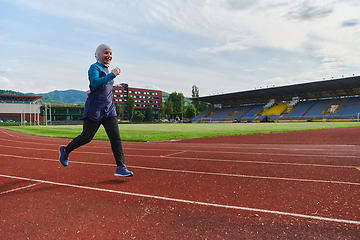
(298,185)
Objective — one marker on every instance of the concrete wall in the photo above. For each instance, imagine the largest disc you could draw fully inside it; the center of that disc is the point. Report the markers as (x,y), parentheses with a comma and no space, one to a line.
(19,112)
(9,108)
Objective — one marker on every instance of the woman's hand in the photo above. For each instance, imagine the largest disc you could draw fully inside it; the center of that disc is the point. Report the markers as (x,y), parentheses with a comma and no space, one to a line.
(116,71)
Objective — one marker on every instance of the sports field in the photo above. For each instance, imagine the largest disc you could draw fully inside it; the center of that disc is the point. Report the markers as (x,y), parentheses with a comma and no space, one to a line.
(160,132)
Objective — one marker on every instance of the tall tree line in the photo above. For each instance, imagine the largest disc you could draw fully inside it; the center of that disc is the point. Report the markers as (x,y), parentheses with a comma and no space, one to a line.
(174,107)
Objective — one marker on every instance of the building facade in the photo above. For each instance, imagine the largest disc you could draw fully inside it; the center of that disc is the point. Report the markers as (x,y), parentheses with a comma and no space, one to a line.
(19,108)
(24,108)
(62,112)
(143,98)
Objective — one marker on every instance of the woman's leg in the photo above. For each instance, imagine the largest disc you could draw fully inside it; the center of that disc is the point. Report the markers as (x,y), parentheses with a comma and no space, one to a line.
(89,130)
(112,130)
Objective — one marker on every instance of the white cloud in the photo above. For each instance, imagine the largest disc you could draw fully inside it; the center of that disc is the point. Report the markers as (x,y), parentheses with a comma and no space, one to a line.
(232,45)
(152,87)
(219,45)
(307,12)
(5,83)
(288,26)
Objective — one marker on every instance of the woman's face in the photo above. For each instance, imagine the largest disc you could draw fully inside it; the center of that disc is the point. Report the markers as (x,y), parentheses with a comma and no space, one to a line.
(107,56)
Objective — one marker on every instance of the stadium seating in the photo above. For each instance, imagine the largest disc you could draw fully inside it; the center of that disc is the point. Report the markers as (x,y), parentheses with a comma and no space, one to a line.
(242,111)
(349,110)
(200,116)
(221,114)
(306,110)
(253,113)
(275,110)
(315,112)
(299,110)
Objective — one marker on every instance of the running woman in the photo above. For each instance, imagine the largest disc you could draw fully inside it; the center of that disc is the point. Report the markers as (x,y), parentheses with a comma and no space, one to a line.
(100,109)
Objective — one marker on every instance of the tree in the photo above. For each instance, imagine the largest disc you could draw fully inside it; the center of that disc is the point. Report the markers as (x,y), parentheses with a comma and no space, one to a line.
(149,114)
(140,116)
(162,111)
(178,102)
(194,94)
(131,106)
(190,111)
(202,106)
(169,108)
(118,111)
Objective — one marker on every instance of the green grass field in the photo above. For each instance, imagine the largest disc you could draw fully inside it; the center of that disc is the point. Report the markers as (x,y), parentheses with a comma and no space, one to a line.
(158,132)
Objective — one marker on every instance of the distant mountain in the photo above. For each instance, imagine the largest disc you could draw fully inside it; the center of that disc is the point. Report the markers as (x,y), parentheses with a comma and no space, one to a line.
(165,95)
(74,97)
(71,97)
(10,92)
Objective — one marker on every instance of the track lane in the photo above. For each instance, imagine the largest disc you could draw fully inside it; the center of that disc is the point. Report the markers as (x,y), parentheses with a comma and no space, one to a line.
(321,200)
(215,188)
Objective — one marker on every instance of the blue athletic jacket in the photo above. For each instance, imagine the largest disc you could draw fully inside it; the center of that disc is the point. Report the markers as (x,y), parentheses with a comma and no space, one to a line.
(100,103)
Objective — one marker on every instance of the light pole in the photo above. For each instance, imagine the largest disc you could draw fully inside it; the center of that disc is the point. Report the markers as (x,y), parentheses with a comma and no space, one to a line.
(45,114)
(182,115)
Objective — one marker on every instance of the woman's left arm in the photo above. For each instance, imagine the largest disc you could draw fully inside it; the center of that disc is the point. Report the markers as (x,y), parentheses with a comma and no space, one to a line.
(94,76)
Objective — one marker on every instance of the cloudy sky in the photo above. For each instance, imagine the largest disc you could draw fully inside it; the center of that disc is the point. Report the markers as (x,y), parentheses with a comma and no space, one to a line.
(221,46)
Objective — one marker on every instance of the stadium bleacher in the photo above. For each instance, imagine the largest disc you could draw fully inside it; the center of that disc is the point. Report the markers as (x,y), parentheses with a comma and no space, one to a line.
(221,114)
(202,115)
(242,111)
(299,110)
(253,113)
(315,111)
(336,109)
(349,109)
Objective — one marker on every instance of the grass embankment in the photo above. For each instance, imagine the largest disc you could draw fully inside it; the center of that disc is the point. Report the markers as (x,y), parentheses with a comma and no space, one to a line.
(157,132)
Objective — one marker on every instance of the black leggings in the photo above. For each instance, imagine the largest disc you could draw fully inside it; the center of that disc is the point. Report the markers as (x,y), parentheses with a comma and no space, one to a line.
(89,130)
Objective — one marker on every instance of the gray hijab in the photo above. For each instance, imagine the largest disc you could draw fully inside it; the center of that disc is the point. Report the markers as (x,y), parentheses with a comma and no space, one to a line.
(98,54)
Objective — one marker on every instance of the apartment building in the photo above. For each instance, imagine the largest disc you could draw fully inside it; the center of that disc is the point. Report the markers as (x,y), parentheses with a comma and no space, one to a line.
(143,98)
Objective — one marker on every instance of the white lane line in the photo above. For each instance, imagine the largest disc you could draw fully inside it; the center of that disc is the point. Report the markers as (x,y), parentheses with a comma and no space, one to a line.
(35,141)
(197,172)
(9,135)
(17,189)
(246,161)
(205,159)
(250,176)
(189,201)
(284,147)
(213,152)
(279,154)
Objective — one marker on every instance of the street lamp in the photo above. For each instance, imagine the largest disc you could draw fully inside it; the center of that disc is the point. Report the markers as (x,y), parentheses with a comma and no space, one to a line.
(182,115)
